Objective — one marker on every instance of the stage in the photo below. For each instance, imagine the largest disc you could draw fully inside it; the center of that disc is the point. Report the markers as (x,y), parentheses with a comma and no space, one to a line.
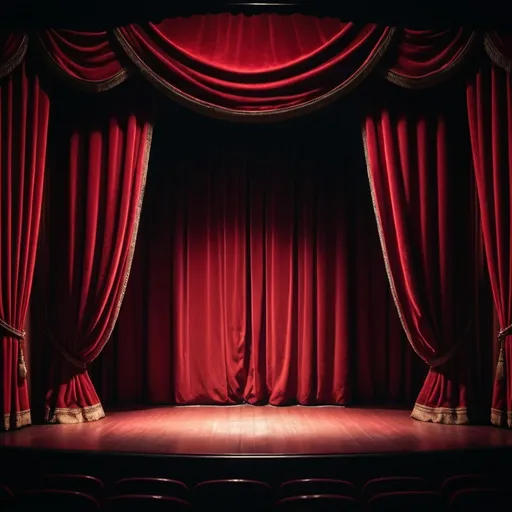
(253,430)
(268,443)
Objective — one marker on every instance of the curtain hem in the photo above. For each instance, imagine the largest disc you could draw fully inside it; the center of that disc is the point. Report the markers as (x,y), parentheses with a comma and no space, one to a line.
(501,418)
(444,415)
(23,419)
(75,415)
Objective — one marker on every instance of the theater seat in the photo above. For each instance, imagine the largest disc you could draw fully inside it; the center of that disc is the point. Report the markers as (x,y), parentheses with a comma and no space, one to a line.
(154,486)
(145,503)
(469,481)
(317,486)
(54,499)
(407,501)
(318,503)
(80,483)
(394,484)
(479,499)
(247,495)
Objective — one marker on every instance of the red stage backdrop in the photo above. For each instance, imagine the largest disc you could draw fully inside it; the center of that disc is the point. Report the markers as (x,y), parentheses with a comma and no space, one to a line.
(258,275)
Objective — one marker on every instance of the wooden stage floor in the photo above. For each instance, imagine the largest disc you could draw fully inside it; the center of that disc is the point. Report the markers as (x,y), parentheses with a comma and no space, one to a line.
(253,430)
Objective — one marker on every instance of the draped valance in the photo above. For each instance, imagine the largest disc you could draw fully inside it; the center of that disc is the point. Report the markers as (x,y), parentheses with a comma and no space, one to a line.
(237,65)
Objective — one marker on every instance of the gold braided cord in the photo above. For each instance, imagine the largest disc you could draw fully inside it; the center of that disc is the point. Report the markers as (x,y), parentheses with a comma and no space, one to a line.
(70,415)
(19,334)
(21,419)
(96,86)
(218,112)
(439,77)
(495,55)
(11,64)
(444,415)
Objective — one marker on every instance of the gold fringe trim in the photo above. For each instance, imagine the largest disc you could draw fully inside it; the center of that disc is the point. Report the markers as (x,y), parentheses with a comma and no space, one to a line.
(10,65)
(67,416)
(218,112)
(95,86)
(501,418)
(495,55)
(22,419)
(444,415)
(437,78)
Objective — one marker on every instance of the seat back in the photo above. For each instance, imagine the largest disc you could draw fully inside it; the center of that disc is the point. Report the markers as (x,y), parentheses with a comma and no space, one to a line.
(419,501)
(478,499)
(145,502)
(153,486)
(318,503)
(306,486)
(394,484)
(55,499)
(469,481)
(247,495)
(80,483)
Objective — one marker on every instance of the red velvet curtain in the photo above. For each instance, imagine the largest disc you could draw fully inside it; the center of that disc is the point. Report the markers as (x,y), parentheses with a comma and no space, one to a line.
(254,66)
(24,114)
(258,275)
(100,160)
(489,102)
(418,165)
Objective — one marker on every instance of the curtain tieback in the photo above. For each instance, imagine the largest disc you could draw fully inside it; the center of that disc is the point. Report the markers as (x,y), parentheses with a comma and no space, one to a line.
(500,368)
(67,355)
(20,336)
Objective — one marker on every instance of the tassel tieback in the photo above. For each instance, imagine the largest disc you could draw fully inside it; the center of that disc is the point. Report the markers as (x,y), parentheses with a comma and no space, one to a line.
(19,334)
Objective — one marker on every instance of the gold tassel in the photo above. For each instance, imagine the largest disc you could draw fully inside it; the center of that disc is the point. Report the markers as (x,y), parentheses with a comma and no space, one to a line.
(500,368)
(22,367)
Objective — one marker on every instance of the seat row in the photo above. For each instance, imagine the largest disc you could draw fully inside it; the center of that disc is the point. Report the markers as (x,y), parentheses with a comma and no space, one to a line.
(81,492)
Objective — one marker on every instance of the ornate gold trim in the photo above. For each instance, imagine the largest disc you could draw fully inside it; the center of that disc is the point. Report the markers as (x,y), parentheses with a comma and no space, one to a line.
(437,78)
(66,416)
(10,65)
(145,164)
(218,112)
(495,55)
(444,415)
(85,85)
(22,419)
(501,418)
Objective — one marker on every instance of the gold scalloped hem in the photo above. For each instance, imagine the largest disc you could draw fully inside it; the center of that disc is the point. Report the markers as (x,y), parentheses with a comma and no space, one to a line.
(501,418)
(23,419)
(68,416)
(444,415)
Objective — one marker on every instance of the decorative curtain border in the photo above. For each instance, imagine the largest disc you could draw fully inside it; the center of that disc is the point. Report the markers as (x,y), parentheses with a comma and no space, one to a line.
(496,48)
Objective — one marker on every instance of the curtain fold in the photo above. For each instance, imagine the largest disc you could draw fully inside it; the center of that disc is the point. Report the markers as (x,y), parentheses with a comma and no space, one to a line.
(96,196)
(489,103)
(419,177)
(254,67)
(24,115)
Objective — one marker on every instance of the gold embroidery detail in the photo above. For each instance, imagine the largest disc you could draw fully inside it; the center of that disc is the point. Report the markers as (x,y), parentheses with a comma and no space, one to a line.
(437,78)
(244,115)
(495,55)
(501,418)
(445,415)
(22,419)
(85,85)
(16,59)
(75,415)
